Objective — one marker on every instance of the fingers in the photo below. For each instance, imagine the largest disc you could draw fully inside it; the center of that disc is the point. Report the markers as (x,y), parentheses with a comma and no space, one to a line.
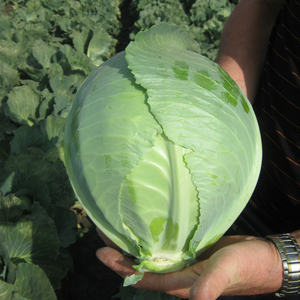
(175,283)
(116,261)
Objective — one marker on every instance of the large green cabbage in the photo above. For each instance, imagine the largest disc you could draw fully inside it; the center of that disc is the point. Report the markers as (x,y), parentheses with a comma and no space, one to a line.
(163,150)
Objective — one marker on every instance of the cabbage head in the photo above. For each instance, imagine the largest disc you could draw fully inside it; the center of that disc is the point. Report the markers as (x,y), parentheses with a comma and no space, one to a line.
(162,149)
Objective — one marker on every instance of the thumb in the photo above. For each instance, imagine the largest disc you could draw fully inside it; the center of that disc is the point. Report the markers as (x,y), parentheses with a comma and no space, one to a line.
(209,286)
(218,276)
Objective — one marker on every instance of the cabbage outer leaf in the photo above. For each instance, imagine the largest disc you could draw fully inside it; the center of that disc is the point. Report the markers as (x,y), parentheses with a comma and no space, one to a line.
(108,131)
(201,108)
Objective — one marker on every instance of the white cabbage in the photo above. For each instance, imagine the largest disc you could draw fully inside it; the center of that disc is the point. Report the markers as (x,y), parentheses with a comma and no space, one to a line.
(163,150)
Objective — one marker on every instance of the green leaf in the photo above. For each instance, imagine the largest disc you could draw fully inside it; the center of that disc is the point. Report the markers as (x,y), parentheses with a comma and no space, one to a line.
(27,137)
(29,170)
(46,106)
(32,283)
(33,69)
(8,291)
(58,82)
(12,53)
(20,237)
(6,181)
(80,39)
(62,87)
(77,60)
(5,27)
(66,224)
(38,30)
(9,77)
(54,6)
(7,268)
(59,186)
(101,46)
(6,126)
(29,163)
(65,259)
(53,128)
(22,104)
(11,208)
(43,52)
(33,243)
(4,151)
(54,153)
(38,214)
(39,191)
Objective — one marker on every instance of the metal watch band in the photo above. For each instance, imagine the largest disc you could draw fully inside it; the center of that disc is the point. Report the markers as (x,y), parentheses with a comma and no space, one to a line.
(290,254)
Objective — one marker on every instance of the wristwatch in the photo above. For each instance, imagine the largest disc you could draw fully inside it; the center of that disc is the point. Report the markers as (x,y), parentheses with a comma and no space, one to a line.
(290,254)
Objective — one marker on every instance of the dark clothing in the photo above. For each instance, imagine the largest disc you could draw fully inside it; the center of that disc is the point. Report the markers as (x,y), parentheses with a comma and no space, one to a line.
(275,204)
(277,107)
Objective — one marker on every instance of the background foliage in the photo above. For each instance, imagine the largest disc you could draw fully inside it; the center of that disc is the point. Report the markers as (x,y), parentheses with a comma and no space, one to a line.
(47,49)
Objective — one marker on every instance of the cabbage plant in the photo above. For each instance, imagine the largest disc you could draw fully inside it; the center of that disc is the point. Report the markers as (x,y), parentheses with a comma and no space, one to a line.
(163,150)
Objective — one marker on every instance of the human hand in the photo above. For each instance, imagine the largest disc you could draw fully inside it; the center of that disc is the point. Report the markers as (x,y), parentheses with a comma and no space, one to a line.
(235,265)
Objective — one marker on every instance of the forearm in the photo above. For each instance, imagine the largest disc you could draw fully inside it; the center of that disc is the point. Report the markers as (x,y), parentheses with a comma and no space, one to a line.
(244,42)
(296,235)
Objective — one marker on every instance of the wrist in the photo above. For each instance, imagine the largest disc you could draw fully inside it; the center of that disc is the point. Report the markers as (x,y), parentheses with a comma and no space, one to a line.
(289,251)
(276,268)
